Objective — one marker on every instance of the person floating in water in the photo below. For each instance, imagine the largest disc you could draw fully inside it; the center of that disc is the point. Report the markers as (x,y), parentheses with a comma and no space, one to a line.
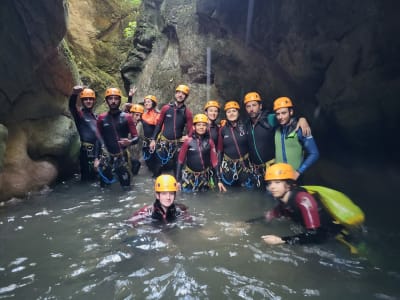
(164,208)
(299,205)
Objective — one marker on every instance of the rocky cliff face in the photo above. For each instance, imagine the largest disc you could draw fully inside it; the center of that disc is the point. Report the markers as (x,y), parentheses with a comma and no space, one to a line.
(38,140)
(35,134)
(336,60)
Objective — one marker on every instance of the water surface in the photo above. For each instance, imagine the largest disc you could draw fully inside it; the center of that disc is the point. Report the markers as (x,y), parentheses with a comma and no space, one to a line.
(73,243)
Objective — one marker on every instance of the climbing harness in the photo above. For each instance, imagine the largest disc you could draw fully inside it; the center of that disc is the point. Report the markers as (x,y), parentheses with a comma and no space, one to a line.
(166,149)
(196,181)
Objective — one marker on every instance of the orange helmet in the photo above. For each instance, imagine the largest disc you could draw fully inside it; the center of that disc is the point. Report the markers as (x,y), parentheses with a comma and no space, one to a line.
(87,93)
(152,98)
(183,88)
(212,103)
(252,96)
(231,104)
(113,92)
(137,108)
(282,102)
(280,171)
(166,183)
(200,118)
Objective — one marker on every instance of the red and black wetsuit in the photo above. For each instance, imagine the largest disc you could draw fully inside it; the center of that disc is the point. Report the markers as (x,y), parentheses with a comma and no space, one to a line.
(172,121)
(156,212)
(232,141)
(200,157)
(171,124)
(115,126)
(112,127)
(85,121)
(303,208)
(233,154)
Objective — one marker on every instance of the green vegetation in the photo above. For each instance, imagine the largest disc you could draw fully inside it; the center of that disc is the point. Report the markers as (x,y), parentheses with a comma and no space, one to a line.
(98,57)
(130,30)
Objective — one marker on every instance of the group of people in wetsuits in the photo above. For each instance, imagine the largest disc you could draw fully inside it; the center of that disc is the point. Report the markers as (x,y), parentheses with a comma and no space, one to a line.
(271,149)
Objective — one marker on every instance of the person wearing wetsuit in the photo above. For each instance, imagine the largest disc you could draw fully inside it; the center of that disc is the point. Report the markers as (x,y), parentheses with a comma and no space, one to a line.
(291,146)
(211,110)
(164,209)
(233,156)
(137,111)
(149,121)
(85,121)
(260,127)
(197,165)
(165,140)
(118,132)
(260,130)
(298,205)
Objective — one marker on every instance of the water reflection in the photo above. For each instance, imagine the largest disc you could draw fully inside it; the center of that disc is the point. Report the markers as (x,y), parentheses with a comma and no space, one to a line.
(74,243)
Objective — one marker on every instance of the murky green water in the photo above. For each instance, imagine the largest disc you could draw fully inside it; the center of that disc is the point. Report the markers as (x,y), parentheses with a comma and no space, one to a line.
(73,243)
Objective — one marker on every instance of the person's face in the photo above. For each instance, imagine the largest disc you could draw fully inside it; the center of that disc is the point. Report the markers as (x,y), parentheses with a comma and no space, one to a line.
(253,108)
(212,113)
(113,102)
(278,188)
(88,102)
(148,104)
(166,198)
(180,96)
(200,128)
(283,115)
(136,117)
(232,114)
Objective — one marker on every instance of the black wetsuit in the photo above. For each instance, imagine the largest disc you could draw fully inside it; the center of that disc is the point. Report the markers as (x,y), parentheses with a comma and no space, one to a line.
(112,127)
(261,145)
(233,154)
(214,132)
(156,212)
(85,121)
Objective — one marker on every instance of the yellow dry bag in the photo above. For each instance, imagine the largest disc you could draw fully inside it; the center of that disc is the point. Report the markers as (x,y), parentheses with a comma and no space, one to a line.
(339,206)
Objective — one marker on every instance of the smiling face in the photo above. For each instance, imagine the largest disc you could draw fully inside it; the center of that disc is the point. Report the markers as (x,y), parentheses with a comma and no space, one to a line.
(88,102)
(232,114)
(180,96)
(136,117)
(200,128)
(148,103)
(283,115)
(253,108)
(212,113)
(166,198)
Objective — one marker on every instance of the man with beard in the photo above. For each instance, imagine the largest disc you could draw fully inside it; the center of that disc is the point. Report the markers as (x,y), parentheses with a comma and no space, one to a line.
(118,131)
(260,128)
(167,135)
